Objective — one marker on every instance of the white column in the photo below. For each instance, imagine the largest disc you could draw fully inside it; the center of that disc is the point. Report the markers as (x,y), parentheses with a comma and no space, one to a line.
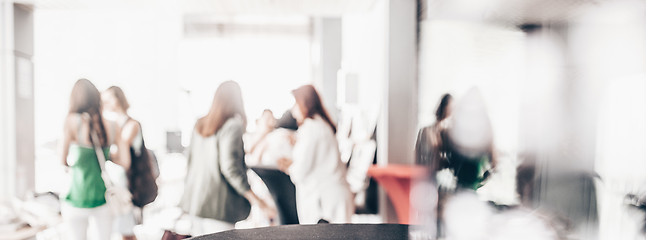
(7,101)
(17,153)
(24,99)
(397,127)
(326,59)
(398,121)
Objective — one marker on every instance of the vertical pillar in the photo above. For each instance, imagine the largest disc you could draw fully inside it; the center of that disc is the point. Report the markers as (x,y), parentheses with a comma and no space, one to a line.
(7,133)
(326,55)
(24,98)
(398,120)
(17,152)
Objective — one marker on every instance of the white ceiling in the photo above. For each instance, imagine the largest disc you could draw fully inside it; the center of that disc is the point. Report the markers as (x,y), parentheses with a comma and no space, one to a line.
(219,7)
(278,7)
(506,11)
(512,12)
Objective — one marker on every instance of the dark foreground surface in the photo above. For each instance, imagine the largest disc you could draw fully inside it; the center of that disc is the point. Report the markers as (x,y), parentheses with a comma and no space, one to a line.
(318,231)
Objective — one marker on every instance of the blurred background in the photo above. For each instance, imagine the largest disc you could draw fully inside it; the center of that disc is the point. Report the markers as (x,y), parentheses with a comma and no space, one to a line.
(563,83)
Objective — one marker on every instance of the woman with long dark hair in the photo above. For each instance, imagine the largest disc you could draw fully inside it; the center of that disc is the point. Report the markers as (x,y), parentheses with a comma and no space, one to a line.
(138,174)
(86,196)
(322,192)
(431,150)
(217,193)
(430,147)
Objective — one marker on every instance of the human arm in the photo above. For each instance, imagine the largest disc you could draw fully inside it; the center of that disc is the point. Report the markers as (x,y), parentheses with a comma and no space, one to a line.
(231,156)
(129,131)
(123,149)
(304,153)
(257,142)
(232,165)
(64,143)
(283,164)
(255,200)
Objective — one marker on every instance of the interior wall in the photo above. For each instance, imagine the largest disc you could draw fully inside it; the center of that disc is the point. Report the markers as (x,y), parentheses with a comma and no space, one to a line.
(327,43)
(135,50)
(131,48)
(364,56)
(267,68)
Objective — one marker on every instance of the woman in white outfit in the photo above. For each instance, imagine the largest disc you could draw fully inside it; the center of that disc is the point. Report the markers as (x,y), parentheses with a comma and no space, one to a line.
(322,192)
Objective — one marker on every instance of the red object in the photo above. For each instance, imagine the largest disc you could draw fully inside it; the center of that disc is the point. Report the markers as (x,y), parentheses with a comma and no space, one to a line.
(396,180)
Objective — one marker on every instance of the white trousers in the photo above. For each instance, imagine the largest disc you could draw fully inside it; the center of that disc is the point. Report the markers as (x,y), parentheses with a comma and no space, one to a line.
(77,221)
(124,224)
(332,203)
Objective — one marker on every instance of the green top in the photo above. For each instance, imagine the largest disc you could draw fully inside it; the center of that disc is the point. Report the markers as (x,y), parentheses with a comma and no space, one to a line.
(88,188)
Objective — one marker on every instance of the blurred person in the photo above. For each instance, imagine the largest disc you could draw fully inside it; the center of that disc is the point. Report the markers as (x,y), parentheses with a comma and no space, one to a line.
(217,193)
(268,144)
(86,196)
(322,191)
(114,100)
(429,148)
(458,149)
(469,145)
(264,125)
(431,152)
(287,121)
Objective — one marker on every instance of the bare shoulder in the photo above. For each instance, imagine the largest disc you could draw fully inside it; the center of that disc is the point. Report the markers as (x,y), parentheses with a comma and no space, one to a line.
(72,121)
(132,122)
(110,127)
(131,126)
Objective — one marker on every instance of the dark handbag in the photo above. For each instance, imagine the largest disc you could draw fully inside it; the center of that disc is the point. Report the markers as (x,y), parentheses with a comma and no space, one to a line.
(141,180)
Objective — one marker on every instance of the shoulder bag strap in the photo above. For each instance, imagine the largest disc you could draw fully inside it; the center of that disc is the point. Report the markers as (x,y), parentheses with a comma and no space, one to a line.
(100,156)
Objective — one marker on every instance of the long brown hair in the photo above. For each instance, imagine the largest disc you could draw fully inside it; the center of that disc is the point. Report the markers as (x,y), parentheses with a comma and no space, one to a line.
(227,103)
(309,102)
(120,96)
(441,113)
(86,98)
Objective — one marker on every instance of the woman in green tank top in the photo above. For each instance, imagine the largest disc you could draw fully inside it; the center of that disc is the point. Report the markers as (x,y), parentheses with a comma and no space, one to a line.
(86,196)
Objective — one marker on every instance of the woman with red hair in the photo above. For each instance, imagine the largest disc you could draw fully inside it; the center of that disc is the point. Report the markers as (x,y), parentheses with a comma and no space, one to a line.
(322,192)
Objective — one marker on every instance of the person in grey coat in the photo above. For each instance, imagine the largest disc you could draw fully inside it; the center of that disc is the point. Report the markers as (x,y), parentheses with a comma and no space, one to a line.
(217,193)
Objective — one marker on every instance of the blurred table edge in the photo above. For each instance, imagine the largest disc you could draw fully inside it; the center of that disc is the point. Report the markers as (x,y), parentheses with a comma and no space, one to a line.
(316,231)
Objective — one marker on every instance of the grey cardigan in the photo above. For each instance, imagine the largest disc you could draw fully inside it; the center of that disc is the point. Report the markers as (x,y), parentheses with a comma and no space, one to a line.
(217,175)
